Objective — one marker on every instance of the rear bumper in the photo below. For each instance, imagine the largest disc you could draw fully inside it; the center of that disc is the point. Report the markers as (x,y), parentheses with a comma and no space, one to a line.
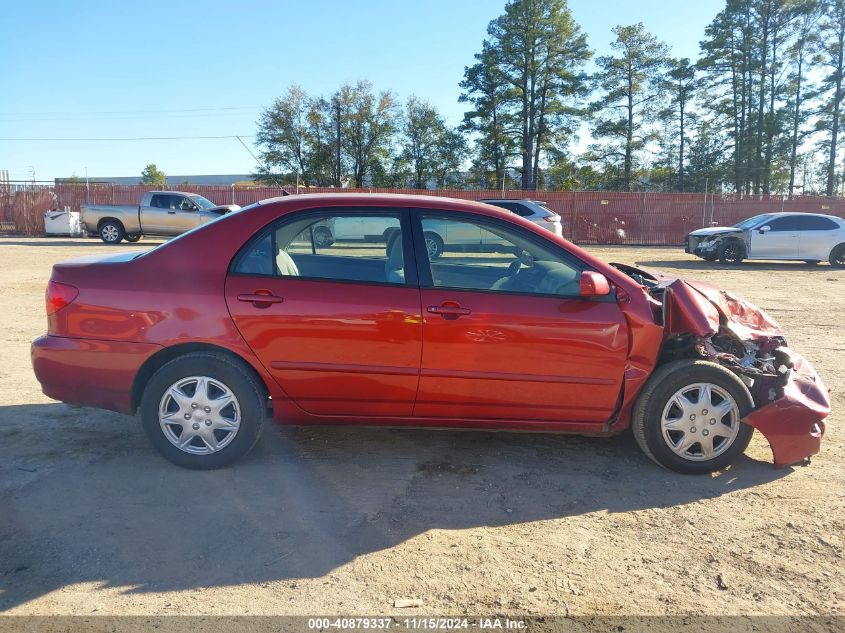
(793,423)
(89,372)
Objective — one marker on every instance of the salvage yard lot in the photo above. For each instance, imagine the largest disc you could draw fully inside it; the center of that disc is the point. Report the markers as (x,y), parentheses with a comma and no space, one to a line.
(346,521)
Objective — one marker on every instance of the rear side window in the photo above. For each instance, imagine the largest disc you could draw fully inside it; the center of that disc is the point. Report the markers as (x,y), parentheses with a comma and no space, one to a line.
(160,201)
(363,247)
(514,207)
(817,223)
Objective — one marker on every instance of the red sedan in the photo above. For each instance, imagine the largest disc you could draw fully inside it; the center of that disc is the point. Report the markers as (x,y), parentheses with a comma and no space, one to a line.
(337,309)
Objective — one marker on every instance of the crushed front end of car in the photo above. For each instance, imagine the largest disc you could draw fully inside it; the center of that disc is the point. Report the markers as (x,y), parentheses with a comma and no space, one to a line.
(705,243)
(790,400)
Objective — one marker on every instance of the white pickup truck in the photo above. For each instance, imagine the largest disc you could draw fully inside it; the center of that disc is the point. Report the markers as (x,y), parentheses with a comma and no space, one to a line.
(160,213)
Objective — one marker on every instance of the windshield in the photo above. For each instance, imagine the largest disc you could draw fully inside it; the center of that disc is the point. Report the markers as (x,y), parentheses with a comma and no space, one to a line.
(202,203)
(752,222)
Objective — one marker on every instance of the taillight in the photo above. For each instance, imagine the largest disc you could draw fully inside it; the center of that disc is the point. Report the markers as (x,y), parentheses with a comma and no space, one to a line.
(552,218)
(59,295)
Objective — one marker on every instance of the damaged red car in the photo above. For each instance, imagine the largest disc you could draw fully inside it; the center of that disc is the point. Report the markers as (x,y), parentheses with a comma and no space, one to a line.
(416,311)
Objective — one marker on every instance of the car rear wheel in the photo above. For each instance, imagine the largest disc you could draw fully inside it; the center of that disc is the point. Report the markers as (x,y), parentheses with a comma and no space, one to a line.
(688,418)
(433,245)
(837,256)
(731,252)
(111,232)
(133,237)
(323,237)
(203,410)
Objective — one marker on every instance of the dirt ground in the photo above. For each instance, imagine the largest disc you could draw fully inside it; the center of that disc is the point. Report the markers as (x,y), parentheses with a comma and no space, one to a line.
(333,521)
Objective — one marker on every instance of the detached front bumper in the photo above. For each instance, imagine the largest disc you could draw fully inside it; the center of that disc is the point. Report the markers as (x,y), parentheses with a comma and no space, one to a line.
(793,422)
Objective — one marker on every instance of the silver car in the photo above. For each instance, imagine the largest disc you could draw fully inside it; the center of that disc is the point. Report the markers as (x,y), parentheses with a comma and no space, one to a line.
(532,210)
(809,237)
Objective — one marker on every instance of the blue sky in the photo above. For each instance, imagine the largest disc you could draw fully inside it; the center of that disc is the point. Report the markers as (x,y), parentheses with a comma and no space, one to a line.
(190,68)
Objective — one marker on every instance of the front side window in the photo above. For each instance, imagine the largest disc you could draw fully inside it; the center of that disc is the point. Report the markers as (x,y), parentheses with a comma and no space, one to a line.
(476,254)
(788,223)
(342,247)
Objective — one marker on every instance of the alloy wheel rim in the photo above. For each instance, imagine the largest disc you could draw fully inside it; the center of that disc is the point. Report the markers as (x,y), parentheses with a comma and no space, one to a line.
(110,233)
(700,422)
(731,253)
(431,247)
(199,415)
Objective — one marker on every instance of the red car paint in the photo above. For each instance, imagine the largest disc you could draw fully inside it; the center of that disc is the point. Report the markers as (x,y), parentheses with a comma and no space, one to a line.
(347,353)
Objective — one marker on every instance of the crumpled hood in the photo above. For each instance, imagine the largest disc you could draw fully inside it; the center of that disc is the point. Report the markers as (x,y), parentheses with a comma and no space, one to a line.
(743,318)
(697,308)
(715,230)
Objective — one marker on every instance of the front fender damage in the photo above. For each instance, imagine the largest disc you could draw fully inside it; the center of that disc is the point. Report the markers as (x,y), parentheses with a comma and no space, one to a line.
(791,402)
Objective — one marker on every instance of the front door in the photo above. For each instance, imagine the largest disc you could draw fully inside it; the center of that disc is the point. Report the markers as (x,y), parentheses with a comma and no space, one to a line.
(337,326)
(506,334)
(779,242)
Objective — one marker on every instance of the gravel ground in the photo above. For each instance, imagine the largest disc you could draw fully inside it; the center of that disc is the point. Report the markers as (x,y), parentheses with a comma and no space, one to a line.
(351,521)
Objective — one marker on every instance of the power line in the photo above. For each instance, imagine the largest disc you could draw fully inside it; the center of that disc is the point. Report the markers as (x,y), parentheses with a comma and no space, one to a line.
(133,138)
(149,111)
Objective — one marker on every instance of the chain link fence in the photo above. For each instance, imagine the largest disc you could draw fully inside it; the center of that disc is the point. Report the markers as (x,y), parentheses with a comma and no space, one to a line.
(589,217)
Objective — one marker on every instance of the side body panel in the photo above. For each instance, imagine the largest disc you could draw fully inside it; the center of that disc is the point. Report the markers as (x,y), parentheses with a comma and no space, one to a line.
(336,348)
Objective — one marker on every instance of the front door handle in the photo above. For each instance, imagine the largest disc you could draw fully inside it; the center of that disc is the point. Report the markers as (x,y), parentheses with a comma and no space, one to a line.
(449,310)
(261,298)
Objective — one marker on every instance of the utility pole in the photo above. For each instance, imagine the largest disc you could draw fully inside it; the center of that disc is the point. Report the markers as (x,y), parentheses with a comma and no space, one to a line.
(338,176)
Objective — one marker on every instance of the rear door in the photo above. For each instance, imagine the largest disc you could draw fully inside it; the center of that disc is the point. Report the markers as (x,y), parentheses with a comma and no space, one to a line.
(779,242)
(506,334)
(818,235)
(156,217)
(339,326)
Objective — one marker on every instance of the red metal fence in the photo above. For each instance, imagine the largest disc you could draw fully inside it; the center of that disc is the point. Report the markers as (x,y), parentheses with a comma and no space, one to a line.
(589,217)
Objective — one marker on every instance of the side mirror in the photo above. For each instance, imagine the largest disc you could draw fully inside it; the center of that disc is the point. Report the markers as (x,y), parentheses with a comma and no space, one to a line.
(765,229)
(593,284)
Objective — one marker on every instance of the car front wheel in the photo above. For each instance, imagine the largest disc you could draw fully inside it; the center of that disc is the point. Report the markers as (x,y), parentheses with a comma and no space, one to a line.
(689,417)
(203,410)
(731,252)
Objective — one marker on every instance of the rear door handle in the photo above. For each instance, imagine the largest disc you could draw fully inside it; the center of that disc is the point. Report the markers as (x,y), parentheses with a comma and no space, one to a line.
(449,311)
(261,299)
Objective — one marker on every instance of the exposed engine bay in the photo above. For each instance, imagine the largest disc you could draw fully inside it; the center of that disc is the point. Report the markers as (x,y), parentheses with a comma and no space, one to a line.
(701,321)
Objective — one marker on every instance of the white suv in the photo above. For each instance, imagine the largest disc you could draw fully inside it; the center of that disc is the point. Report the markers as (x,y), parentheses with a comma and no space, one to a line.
(532,210)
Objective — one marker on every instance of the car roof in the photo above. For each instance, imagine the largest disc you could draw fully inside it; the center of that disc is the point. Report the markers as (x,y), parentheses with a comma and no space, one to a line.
(788,213)
(178,193)
(382,200)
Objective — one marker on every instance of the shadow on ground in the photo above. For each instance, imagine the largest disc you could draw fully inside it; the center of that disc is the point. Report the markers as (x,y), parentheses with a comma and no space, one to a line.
(97,504)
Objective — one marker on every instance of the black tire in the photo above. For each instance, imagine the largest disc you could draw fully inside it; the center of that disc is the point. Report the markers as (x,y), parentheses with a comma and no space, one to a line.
(247,389)
(731,252)
(837,256)
(433,244)
(323,237)
(646,422)
(111,232)
(132,237)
